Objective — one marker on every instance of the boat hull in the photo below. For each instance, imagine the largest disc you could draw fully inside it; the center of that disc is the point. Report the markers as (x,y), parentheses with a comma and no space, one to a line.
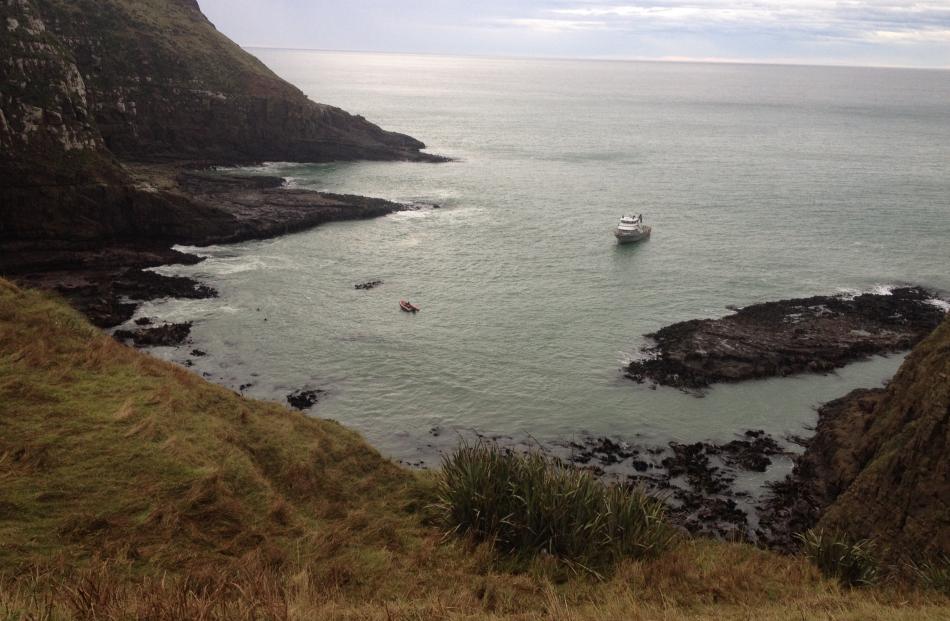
(629,237)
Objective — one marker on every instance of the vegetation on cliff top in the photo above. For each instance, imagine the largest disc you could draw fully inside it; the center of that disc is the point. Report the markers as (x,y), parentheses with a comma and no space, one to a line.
(887,452)
(527,504)
(130,488)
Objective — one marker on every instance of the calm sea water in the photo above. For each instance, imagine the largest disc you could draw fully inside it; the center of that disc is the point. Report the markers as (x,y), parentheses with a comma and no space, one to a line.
(761,183)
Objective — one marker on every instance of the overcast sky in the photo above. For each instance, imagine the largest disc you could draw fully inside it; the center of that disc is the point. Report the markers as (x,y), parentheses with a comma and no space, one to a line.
(869,32)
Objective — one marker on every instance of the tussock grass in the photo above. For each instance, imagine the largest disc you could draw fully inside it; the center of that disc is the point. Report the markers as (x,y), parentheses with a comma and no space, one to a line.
(529,505)
(934,574)
(132,489)
(853,563)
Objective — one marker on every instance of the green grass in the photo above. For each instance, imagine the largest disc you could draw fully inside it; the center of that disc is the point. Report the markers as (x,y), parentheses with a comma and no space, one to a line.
(934,574)
(853,563)
(528,505)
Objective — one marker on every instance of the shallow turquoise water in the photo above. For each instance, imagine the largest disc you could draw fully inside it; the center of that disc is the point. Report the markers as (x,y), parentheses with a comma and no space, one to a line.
(761,183)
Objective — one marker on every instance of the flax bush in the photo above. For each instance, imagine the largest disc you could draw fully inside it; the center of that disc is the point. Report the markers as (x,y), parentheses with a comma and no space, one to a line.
(853,563)
(527,505)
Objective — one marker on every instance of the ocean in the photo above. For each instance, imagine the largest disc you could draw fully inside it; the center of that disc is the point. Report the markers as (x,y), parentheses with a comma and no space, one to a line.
(760,183)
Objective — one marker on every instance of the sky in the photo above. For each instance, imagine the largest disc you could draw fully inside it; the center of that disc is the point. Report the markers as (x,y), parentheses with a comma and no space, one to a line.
(849,32)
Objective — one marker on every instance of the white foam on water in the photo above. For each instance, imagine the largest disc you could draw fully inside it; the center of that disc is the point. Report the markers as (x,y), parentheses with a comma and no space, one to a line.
(944,305)
(271,168)
(412,214)
(849,293)
(198,251)
(240,265)
(170,310)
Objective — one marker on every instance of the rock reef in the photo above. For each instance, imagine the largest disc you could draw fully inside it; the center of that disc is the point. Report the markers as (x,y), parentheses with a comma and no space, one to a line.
(304,399)
(810,335)
(698,479)
(168,335)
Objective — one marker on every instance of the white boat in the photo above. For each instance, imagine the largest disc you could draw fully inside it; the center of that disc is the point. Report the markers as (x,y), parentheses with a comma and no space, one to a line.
(632,229)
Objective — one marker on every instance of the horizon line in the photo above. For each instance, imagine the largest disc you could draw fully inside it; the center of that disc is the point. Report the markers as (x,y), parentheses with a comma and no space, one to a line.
(665,59)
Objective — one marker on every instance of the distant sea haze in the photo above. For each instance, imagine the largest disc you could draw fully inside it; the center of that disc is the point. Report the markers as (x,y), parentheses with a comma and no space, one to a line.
(760,182)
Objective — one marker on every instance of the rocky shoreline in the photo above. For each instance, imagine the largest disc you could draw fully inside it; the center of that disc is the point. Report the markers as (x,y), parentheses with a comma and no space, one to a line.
(718,489)
(698,479)
(107,283)
(787,337)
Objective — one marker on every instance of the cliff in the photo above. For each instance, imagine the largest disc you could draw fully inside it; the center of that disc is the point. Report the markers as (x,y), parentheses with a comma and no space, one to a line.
(878,464)
(86,85)
(164,84)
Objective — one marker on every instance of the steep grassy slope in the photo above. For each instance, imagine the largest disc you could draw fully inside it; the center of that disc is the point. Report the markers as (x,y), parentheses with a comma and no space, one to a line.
(891,453)
(130,488)
(104,449)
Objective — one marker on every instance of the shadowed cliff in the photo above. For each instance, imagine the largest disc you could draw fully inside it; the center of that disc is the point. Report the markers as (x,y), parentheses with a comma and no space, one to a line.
(879,461)
(88,84)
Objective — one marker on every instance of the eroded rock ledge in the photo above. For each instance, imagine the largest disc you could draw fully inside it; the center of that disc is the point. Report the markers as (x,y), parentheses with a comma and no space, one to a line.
(810,335)
(107,283)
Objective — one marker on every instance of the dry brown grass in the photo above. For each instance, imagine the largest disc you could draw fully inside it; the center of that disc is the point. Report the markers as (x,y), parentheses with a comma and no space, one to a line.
(132,489)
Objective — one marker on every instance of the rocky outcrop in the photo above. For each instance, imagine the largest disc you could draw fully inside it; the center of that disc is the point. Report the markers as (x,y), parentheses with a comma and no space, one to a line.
(106,284)
(882,459)
(816,334)
(259,207)
(87,86)
(168,335)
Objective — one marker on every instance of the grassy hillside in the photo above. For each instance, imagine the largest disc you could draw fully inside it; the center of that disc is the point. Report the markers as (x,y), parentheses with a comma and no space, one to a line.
(896,452)
(132,489)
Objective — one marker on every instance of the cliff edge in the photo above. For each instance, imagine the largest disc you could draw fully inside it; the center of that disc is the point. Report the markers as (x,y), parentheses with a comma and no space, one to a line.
(88,85)
(878,466)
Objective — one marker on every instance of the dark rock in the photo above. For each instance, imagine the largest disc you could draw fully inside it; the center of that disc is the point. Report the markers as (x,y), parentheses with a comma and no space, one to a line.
(605,450)
(692,461)
(368,285)
(752,453)
(697,479)
(143,321)
(783,338)
(304,399)
(197,353)
(109,296)
(168,335)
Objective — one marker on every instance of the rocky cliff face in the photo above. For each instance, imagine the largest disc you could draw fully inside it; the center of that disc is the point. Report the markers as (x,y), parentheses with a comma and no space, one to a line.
(164,83)
(880,461)
(44,104)
(87,84)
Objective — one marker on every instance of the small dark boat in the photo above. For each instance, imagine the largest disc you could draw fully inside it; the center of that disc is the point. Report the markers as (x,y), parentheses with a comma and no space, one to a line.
(409,308)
